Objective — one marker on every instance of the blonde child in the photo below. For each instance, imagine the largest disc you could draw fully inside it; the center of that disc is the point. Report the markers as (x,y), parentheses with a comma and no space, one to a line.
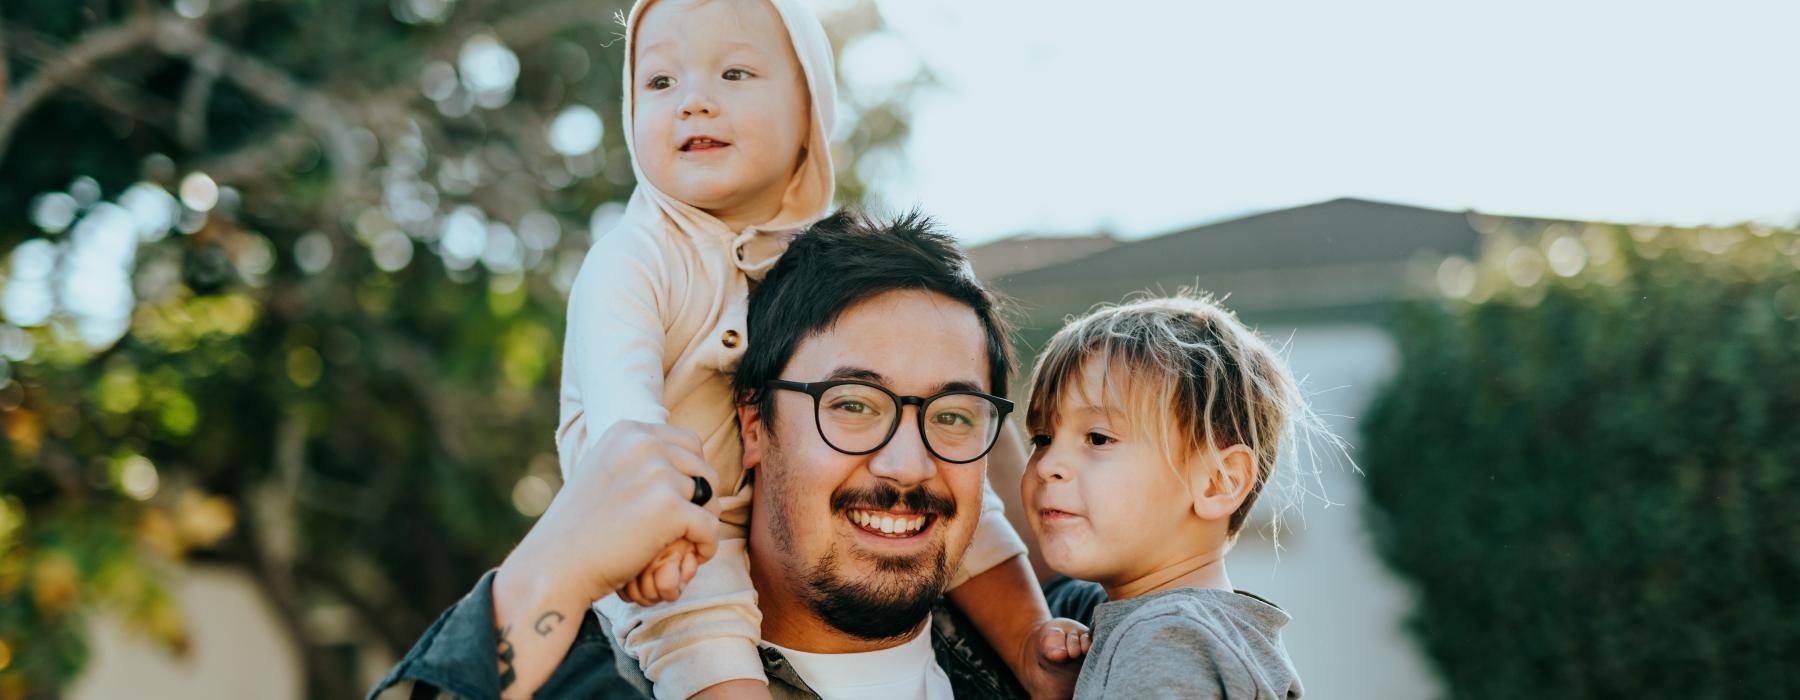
(728,110)
(1154,427)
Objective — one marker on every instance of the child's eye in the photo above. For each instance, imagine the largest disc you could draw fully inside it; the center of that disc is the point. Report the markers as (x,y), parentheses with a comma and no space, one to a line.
(736,74)
(1100,440)
(1040,440)
(658,82)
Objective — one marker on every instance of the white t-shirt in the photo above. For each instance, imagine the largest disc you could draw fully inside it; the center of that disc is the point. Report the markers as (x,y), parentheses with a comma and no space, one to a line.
(906,672)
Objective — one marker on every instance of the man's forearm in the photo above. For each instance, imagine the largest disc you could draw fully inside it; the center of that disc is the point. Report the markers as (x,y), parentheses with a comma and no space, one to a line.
(535,621)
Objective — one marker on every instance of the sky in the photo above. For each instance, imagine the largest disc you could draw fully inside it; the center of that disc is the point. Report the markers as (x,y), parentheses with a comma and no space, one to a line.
(1139,117)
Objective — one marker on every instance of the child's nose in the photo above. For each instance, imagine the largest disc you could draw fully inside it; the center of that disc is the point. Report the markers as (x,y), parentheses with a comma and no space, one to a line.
(1050,465)
(698,101)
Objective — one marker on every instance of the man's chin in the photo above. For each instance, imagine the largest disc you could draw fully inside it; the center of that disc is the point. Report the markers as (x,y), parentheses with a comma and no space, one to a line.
(877,597)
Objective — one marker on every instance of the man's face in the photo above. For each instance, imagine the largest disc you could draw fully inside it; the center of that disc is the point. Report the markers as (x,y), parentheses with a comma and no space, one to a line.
(810,529)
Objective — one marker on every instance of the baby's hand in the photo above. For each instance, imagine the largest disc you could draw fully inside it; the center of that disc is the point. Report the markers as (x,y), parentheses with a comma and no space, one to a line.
(1059,645)
(665,578)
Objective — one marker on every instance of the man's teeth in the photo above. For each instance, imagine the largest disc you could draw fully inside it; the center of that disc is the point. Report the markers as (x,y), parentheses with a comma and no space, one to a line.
(888,524)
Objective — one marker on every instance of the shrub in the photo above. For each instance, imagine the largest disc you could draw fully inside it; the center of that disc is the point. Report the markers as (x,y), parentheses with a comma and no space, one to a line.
(1588,465)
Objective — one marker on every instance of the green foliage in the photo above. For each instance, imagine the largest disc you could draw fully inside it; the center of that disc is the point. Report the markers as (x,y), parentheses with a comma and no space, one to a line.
(1588,466)
(309,380)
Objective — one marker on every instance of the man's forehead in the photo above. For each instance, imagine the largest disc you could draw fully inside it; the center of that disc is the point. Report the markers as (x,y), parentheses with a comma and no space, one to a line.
(908,341)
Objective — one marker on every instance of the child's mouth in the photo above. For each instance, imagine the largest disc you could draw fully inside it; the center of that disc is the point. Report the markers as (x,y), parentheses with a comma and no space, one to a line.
(702,143)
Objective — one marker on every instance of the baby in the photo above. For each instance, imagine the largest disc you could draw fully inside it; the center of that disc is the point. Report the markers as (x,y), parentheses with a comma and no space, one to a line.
(727,115)
(1155,425)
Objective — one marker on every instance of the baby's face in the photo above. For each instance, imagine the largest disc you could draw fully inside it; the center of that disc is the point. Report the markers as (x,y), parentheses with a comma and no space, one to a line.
(1102,498)
(720,106)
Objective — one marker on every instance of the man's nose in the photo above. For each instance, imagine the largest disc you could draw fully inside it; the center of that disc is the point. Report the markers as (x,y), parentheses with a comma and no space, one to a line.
(905,460)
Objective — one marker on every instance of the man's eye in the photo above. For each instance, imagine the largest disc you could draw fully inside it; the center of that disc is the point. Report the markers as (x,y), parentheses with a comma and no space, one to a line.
(736,74)
(857,407)
(659,82)
(948,418)
(1099,440)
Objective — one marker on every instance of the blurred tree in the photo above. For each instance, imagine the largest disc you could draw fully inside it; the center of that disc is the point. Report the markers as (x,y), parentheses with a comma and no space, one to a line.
(1588,465)
(285,289)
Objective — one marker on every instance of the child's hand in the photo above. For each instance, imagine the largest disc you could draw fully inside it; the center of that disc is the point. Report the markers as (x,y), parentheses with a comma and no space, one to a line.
(665,578)
(1060,644)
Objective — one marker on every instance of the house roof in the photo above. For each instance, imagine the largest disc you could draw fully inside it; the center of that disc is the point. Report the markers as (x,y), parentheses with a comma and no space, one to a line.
(1020,253)
(1342,252)
(1334,232)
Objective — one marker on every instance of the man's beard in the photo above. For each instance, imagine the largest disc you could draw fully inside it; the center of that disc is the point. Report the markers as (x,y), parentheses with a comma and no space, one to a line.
(888,604)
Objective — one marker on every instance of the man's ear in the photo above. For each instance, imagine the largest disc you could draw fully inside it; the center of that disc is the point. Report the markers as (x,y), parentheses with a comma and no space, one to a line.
(1221,480)
(756,435)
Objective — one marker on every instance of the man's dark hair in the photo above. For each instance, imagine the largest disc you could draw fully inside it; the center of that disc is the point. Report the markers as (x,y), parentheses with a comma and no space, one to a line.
(841,260)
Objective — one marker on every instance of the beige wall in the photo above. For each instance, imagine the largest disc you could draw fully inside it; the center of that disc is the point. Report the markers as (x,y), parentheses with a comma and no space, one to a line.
(238,648)
(1346,637)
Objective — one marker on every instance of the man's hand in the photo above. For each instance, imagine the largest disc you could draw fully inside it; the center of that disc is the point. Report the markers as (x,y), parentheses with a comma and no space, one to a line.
(626,500)
(1059,645)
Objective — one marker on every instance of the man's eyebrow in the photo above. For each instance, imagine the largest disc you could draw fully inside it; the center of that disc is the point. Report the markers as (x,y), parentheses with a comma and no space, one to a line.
(958,386)
(851,372)
(869,375)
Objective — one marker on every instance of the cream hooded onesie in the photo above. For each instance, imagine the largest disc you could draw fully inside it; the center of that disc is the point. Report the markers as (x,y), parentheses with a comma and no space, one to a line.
(656,324)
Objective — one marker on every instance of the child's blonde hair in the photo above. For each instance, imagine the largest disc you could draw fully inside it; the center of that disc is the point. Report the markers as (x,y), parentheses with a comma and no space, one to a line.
(1188,374)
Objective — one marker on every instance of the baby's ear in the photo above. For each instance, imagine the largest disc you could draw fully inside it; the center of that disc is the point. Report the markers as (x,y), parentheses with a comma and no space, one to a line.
(755,434)
(1222,479)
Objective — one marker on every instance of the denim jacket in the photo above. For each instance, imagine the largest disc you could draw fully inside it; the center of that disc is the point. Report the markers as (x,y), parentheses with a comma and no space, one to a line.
(456,655)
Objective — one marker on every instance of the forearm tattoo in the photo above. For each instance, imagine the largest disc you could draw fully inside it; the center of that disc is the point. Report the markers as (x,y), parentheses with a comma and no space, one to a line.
(504,651)
(545,625)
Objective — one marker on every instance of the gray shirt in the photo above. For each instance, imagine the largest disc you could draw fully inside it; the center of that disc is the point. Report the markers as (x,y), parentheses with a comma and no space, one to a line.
(1189,643)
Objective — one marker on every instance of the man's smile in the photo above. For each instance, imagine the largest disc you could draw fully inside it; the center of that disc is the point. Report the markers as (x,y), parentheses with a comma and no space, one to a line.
(890,524)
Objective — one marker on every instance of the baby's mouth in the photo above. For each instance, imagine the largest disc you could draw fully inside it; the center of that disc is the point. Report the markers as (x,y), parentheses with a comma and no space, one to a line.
(702,143)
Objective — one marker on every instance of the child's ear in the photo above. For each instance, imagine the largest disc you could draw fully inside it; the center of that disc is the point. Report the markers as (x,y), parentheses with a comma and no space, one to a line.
(755,434)
(1222,480)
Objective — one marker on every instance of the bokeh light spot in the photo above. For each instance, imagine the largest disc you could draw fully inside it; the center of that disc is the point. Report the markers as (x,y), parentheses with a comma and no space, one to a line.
(199,192)
(392,250)
(138,477)
(532,495)
(576,130)
(312,252)
(53,212)
(304,366)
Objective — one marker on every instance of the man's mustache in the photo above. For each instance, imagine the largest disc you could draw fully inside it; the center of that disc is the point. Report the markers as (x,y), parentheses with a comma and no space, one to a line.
(886,497)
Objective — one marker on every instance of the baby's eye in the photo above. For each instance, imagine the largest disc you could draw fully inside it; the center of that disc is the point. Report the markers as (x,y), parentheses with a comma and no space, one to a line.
(1100,440)
(736,74)
(1040,440)
(658,82)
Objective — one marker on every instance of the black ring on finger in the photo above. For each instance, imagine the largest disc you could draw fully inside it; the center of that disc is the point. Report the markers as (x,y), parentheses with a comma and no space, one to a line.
(702,492)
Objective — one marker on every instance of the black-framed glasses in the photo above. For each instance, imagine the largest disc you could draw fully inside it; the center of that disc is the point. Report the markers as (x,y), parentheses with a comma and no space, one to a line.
(857,417)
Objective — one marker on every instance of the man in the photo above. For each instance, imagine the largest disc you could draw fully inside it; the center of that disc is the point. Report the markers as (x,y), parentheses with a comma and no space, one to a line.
(863,510)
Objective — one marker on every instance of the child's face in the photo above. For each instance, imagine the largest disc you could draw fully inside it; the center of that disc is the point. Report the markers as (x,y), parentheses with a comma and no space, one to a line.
(720,107)
(1101,496)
